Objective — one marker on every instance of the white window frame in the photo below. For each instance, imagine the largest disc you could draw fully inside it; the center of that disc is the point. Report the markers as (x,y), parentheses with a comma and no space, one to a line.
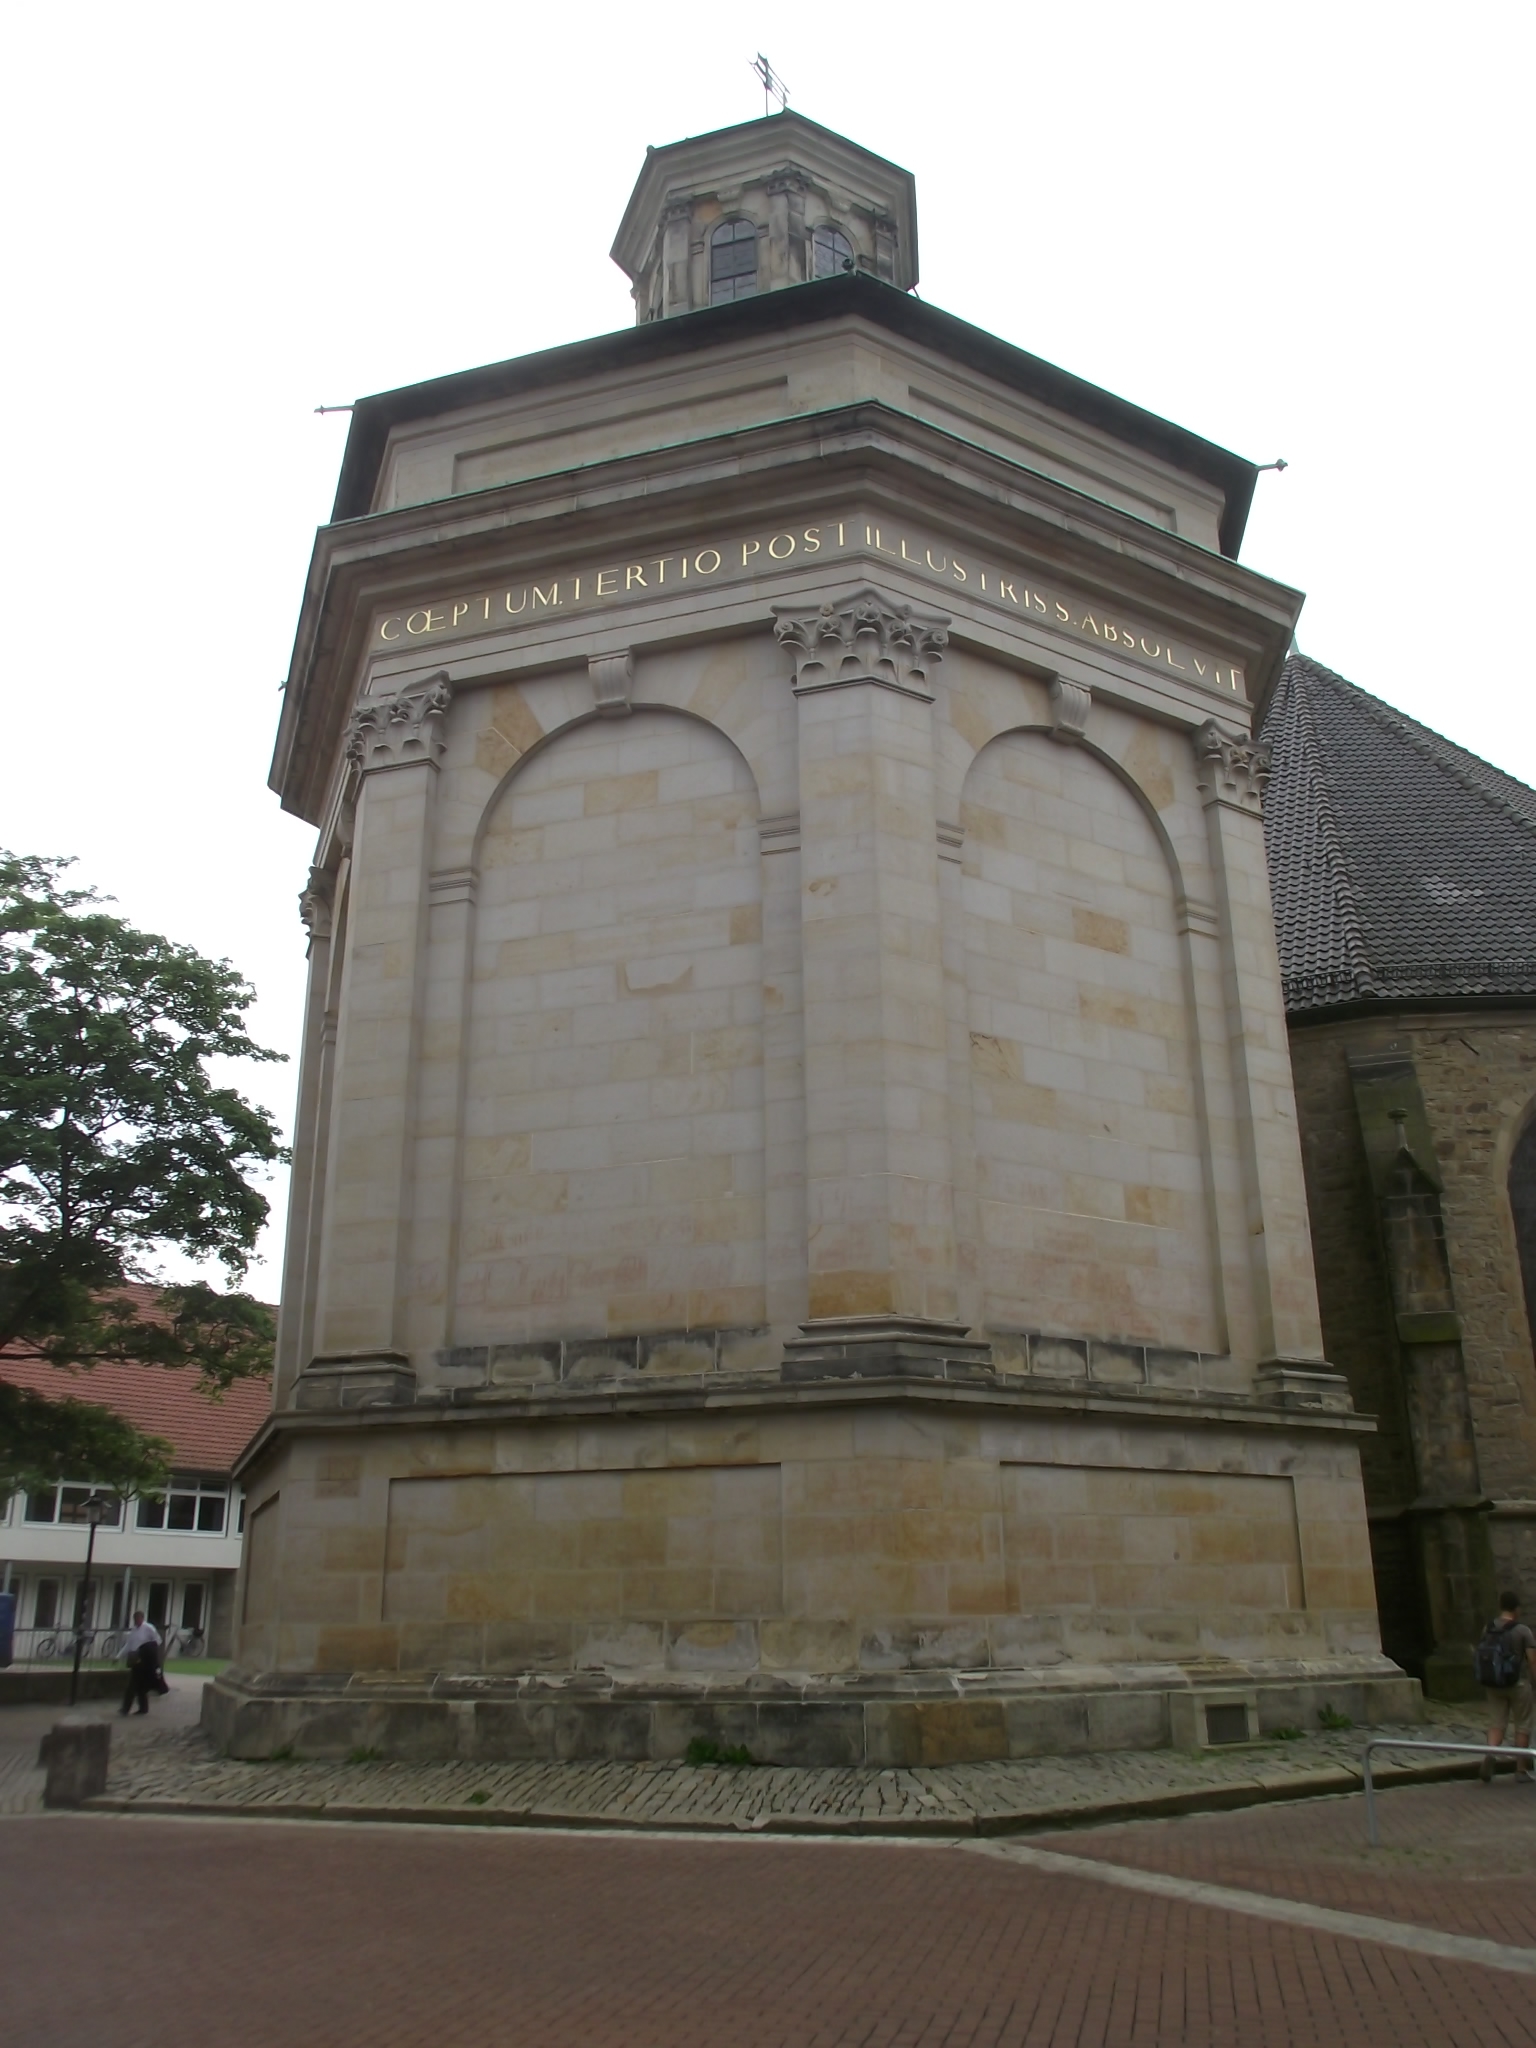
(184,1484)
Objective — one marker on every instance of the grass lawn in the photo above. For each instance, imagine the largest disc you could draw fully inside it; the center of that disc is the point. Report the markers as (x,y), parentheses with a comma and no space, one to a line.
(197,1667)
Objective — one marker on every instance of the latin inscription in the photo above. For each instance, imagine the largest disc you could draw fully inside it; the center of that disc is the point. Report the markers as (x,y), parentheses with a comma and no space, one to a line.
(592,587)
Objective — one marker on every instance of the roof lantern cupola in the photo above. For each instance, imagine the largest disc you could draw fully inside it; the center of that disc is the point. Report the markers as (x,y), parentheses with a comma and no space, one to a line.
(754,208)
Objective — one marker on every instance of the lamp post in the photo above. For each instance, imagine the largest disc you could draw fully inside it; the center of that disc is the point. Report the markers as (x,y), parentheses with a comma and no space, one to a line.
(95,1507)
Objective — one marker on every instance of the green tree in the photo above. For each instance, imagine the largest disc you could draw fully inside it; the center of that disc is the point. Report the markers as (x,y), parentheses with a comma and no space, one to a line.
(115,1144)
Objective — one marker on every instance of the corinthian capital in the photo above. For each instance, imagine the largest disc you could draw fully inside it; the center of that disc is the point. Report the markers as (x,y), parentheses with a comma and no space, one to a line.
(391,732)
(862,639)
(1230,767)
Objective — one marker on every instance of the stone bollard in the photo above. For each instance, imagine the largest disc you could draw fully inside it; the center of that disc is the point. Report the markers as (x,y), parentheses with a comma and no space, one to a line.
(75,1753)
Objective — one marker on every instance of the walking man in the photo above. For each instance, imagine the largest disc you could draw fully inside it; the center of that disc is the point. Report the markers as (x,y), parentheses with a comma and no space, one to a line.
(1505,1667)
(142,1649)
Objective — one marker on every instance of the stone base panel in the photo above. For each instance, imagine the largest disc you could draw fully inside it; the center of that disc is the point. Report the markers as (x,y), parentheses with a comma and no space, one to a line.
(957,1718)
(852,1528)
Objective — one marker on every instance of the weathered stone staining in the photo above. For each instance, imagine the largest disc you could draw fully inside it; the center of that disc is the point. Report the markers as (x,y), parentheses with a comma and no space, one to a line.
(797,1225)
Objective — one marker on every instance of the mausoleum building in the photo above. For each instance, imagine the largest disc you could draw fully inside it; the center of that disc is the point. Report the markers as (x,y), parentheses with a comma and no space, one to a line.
(798,1230)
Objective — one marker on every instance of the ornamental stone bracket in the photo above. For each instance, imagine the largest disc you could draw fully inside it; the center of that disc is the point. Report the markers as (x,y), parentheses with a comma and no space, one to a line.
(317,902)
(863,638)
(398,731)
(1230,767)
(613,683)
(1070,705)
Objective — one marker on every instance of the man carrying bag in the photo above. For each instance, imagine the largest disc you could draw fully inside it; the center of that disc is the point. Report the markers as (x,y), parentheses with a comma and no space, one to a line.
(142,1649)
(1504,1665)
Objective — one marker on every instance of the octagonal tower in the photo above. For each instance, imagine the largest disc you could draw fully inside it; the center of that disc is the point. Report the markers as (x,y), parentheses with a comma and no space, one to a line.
(797,1231)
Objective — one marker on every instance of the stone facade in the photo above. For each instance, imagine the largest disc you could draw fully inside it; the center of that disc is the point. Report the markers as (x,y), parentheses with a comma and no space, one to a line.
(797,1217)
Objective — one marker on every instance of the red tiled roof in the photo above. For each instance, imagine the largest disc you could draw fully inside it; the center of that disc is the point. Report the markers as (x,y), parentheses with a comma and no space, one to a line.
(208,1431)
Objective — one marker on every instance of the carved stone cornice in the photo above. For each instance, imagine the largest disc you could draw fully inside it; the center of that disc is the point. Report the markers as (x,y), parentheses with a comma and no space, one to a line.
(1070,705)
(316,902)
(862,638)
(396,732)
(1230,767)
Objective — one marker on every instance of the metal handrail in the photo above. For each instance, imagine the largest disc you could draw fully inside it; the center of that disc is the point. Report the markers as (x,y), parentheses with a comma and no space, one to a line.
(1372,1833)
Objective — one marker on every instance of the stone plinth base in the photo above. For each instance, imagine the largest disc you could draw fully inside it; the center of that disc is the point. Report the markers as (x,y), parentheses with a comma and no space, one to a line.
(75,1753)
(884,1722)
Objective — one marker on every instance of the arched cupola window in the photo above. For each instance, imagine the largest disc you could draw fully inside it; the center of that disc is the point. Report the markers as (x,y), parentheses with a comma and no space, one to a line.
(1522,1202)
(831,252)
(732,262)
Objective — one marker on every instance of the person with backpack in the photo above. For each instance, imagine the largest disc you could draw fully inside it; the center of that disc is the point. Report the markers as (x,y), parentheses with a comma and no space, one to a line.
(1505,1666)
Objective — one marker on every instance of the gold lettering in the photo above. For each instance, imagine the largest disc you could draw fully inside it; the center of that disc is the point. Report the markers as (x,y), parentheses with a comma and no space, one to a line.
(521,605)
(750,547)
(1037,601)
(905,556)
(880,545)
(487,603)
(773,547)
(1005,589)
(938,568)
(384,626)
(957,570)
(1151,652)
(426,616)
(1199,666)
(840,533)
(1088,625)
(698,562)
(540,599)
(685,568)
(577,598)
(634,574)
(661,569)
(1062,613)
(612,589)
(1168,651)
(813,540)
(460,607)
(983,579)
(1237,681)
(1111,635)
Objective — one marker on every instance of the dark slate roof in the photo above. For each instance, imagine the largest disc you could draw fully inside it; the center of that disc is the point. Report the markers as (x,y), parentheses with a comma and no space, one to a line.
(1402,867)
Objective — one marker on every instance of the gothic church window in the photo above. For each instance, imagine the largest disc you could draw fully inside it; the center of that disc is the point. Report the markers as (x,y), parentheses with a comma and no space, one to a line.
(831,252)
(1522,1202)
(732,262)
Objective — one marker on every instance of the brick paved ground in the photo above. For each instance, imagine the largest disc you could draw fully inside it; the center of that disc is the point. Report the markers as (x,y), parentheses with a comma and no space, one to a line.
(1460,1857)
(135,1932)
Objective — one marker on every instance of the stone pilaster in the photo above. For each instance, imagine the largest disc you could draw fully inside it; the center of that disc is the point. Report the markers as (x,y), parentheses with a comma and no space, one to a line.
(785,255)
(316,908)
(879,1196)
(676,259)
(394,746)
(1231,770)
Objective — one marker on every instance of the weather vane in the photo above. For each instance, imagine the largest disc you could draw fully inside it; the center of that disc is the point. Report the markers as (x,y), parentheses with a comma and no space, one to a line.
(773,86)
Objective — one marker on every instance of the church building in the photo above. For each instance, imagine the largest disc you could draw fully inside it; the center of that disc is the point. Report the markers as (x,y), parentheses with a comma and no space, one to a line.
(799,1225)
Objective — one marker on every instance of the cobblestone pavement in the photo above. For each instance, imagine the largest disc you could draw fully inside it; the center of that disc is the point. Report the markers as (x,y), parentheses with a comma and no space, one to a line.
(166,1764)
(135,1929)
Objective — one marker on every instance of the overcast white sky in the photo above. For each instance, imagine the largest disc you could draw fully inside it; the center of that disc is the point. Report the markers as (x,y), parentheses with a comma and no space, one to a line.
(1299,230)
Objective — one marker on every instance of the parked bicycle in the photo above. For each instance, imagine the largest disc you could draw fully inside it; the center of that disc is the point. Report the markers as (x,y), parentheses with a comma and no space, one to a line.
(185,1642)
